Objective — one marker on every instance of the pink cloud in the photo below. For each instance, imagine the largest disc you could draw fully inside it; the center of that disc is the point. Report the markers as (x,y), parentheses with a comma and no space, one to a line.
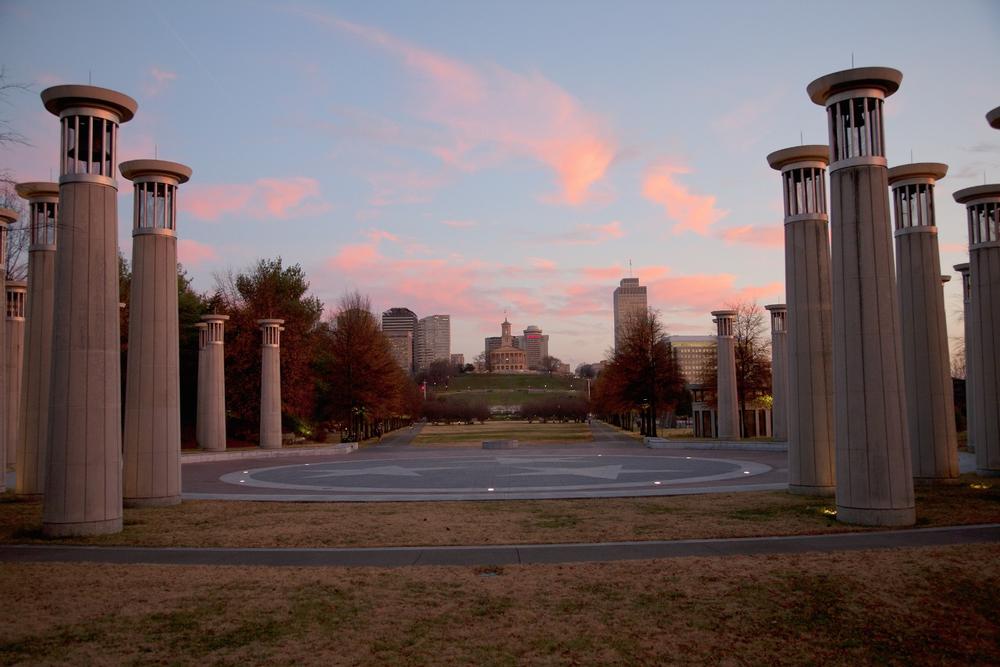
(769,236)
(158,81)
(543,264)
(193,253)
(690,212)
(491,112)
(264,199)
(954,247)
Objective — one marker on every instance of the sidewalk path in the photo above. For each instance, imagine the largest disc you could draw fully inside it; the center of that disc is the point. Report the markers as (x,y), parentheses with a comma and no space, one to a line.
(506,554)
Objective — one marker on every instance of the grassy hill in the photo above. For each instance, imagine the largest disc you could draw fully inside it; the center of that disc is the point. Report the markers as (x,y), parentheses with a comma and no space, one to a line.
(511,389)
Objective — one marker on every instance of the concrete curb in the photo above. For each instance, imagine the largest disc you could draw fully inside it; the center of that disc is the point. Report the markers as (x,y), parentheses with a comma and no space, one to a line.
(205,457)
(515,554)
(660,443)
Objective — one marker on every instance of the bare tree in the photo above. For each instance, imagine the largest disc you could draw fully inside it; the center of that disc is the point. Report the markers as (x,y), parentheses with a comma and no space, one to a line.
(753,352)
(15,264)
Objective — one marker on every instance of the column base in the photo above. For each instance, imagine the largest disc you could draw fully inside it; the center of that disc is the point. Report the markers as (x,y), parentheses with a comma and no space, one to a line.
(270,445)
(804,490)
(865,516)
(988,472)
(162,501)
(83,528)
(29,496)
(211,449)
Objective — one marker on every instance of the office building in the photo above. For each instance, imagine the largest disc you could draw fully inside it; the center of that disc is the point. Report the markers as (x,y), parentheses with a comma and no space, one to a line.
(433,340)
(629,301)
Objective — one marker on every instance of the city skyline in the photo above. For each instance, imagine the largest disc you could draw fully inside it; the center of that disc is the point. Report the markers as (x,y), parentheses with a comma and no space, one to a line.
(458,176)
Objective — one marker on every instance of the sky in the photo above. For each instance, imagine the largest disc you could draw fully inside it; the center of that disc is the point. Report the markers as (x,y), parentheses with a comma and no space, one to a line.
(477,159)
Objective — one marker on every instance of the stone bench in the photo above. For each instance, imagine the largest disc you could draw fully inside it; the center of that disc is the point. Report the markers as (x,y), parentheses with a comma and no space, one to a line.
(499,444)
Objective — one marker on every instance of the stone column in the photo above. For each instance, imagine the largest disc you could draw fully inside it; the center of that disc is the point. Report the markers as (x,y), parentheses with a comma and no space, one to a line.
(200,416)
(969,352)
(152,440)
(728,408)
(14,358)
(983,209)
(7,218)
(33,424)
(270,383)
(83,481)
(779,373)
(874,475)
(212,400)
(811,469)
(930,397)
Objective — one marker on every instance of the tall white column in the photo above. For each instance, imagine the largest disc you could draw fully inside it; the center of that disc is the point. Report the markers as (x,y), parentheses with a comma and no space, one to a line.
(728,409)
(83,481)
(33,423)
(779,373)
(152,440)
(874,475)
(202,329)
(811,468)
(212,402)
(969,353)
(982,204)
(7,218)
(270,383)
(930,397)
(14,358)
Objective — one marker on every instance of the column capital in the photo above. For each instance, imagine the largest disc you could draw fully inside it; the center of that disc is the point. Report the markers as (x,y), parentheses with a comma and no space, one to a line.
(60,98)
(810,155)
(883,79)
(917,172)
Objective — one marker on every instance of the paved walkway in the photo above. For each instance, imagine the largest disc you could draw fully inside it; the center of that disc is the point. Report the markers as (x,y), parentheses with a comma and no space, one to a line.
(506,554)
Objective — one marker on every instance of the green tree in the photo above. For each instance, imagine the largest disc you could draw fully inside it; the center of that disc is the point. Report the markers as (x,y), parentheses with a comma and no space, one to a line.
(268,289)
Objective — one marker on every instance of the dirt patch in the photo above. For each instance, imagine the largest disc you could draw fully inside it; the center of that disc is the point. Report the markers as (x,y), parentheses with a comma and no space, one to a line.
(221,523)
(911,606)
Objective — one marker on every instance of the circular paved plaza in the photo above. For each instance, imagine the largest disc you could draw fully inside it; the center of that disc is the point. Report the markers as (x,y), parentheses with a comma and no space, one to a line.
(519,474)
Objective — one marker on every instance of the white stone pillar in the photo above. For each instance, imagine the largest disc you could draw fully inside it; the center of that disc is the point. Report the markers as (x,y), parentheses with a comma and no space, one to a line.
(726,396)
(152,440)
(83,481)
(779,372)
(7,218)
(983,212)
(874,475)
(212,401)
(14,358)
(969,352)
(930,397)
(202,329)
(811,468)
(270,383)
(33,423)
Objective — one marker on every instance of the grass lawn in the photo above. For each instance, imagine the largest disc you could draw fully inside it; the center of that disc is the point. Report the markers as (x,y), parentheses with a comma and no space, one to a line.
(220,523)
(502,396)
(474,434)
(908,606)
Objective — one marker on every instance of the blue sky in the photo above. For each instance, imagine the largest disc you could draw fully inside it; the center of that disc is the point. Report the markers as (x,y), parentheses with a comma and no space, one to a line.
(471,158)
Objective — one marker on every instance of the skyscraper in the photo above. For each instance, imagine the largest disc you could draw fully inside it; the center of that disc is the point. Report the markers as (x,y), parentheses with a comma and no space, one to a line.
(433,340)
(629,301)
(401,344)
(535,345)
(694,356)
(397,322)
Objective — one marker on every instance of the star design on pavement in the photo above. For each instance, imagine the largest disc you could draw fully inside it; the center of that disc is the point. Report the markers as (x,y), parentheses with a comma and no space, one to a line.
(386,471)
(596,472)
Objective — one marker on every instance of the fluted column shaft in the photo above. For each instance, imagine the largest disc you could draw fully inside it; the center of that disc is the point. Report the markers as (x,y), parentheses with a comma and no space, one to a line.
(930,399)
(212,402)
(874,475)
(270,384)
(779,373)
(14,358)
(33,424)
(728,409)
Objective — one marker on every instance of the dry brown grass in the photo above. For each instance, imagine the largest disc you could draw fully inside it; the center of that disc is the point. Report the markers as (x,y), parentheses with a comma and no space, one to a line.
(474,434)
(258,524)
(912,606)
